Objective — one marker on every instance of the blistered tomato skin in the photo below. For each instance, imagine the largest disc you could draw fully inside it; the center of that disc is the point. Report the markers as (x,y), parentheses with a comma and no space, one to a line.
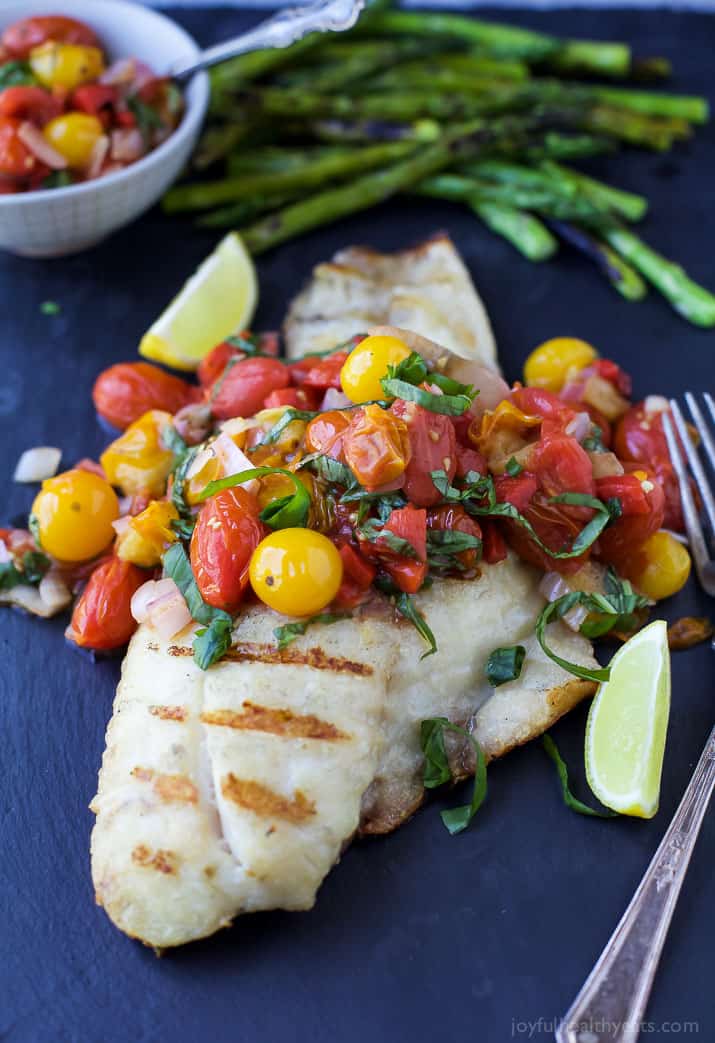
(225,536)
(325,433)
(75,511)
(22,37)
(297,572)
(376,447)
(123,393)
(433,447)
(244,388)
(102,617)
(549,365)
(367,364)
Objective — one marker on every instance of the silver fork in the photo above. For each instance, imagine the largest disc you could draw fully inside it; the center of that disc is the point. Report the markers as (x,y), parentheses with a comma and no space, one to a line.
(612,1002)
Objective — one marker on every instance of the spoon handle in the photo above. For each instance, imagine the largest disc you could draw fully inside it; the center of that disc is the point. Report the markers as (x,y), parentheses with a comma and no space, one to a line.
(281,30)
(612,1002)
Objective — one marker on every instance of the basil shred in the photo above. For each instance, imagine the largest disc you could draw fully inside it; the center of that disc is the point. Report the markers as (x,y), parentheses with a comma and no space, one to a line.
(287,512)
(286,634)
(437,771)
(403,379)
(184,455)
(34,566)
(212,642)
(504,665)
(563,773)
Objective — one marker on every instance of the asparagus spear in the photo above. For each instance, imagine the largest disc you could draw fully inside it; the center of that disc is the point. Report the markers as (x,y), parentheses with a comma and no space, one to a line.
(245,210)
(626,204)
(527,233)
(692,108)
(542,199)
(345,69)
(203,195)
(373,130)
(562,146)
(621,276)
(273,159)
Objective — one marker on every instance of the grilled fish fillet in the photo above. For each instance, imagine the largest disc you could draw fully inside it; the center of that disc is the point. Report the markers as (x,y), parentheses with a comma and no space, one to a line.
(237,789)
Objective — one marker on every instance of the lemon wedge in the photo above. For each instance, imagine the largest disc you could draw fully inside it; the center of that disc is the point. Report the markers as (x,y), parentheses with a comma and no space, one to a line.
(218,300)
(627,723)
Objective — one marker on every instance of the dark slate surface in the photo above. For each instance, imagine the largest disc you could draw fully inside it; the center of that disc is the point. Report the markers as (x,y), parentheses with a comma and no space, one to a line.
(418,936)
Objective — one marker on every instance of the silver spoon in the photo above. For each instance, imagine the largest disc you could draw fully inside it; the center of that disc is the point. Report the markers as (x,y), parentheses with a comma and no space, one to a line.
(281,30)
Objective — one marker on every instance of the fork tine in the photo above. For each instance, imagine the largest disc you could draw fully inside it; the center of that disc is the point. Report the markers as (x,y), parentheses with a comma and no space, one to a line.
(708,440)
(701,479)
(693,527)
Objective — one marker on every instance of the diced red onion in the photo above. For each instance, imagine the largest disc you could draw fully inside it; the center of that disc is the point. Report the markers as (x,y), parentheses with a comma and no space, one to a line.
(553,586)
(127,145)
(119,73)
(334,399)
(5,555)
(579,427)
(121,524)
(656,404)
(605,465)
(193,422)
(232,460)
(161,604)
(40,147)
(575,617)
(37,464)
(53,591)
(97,156)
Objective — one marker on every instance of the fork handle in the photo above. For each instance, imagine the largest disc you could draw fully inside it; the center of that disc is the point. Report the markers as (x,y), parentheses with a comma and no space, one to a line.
(281,30)
(612,1002)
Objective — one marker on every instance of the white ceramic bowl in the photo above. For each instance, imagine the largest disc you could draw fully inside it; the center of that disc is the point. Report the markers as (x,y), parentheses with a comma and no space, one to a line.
(60,221)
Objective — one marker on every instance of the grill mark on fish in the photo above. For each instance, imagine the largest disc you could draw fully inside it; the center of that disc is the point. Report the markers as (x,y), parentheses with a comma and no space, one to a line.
(276,721)
(250,652)
(171,789)
(162,860)
(263,801)
(169,713)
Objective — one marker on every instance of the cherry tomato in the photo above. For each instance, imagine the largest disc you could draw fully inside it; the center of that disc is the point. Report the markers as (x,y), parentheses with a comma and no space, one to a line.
(212,366)
(639,436)
(66,65)
(518,491)
(325,433)
(296,571)
(16,160)
(367,364)
(29,103)
(410,524)
(358,574)
(627,489)
(75,511)
(226,534)
(102,617)
(74,135)
(377,447)
(433,447)
(124,392)
(325,373)
(454,518)
(469,461)
(298,398)
(561,465)
(536,401)
(612,372)
(494,548)
(244,388)
(96,99)
(138,461)
(623,536)
(21,37)
(659,567)
(549,365)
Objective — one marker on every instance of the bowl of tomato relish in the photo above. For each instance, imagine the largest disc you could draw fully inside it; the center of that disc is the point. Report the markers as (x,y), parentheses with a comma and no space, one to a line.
(92,130)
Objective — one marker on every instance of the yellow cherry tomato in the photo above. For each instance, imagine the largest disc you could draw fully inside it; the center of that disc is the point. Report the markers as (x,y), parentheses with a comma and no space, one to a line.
(66,65)
(138,461)
(74,135)
(367,364)
(660,567)
(296,571)
(74,512)
(148,534)
(549,365)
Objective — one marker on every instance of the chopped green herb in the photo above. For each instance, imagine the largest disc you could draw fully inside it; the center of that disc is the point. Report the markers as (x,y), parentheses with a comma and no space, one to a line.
(286,512)
(437,771)
(33,524)
(504,665)
(147,117)
(374,531)
(34,566)
(444,546)
(58,179)
(331,470)
(215,639)
(413,369)
(448,405)
(184,525)
(513,467)
(50,308)
(286,634)
(212,643)
(594,442)
(406,606)
(281,424)
(569,800)
(175,443)
(16,74)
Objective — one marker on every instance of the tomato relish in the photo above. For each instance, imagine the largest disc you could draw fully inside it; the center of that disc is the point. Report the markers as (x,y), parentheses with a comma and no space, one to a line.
(327,485)
(66,115)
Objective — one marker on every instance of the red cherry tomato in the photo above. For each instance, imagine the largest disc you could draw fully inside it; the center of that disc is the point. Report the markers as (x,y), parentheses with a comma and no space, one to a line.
(16,160)
(244,388)
(211,367)
(494,548)
(561,465)
(29,103)
(319,373)
(639,436)
(517,491)
(226,534)
(325,433)
(433,447)
(627,489)
(97,99)
(377,448)
(453,518)
(20,37)
(124,392)
(298,398)
(536,401)
(618,542)
(407,523)
(102,617)
(358,574)
(612,372)
(469,460)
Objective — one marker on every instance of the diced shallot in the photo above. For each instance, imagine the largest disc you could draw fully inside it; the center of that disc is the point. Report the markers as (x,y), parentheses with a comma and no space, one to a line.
(5,555)
(127,145)
(161,604)
(575,617)
(602,395)
(605,465)
(37,464)
(656,404)
(40,147)
(121,524)
(53,591)
(334,399)
(119,73)
(579,427)
(553,586)
(232,460)
(97,156)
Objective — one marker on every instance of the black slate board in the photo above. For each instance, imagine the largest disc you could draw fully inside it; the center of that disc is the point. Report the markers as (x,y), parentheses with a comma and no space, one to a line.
(417,936)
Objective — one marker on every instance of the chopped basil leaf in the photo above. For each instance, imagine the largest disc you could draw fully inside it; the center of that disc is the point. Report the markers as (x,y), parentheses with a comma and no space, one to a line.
(504,665)
(290,631)
(173,441)
(594,442)
(374,532)
(10,576)
(513,467)
(405,605)
(58,179)
(33,524)
(16,74)
(437,771)
(413,369)
(50,308)
(34,566)
(287,512)
(615,608)
(444,546)
(147,117)
(280,425)
(569,800)
(448,405)
(246,343)
(212,642)
(184,525)
(452,387)
(330,470)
